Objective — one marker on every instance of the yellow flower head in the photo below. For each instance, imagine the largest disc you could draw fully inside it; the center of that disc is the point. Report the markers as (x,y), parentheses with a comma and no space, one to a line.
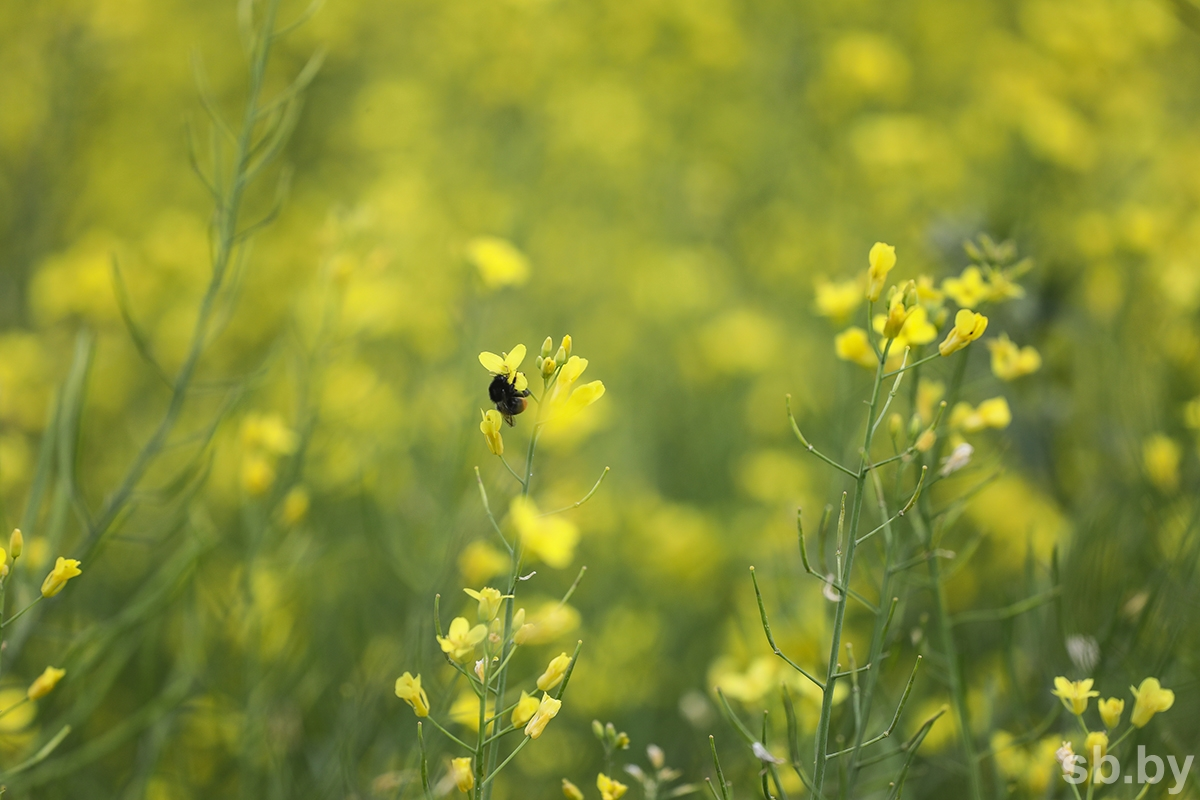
(567,400)
(1095,747)
(610,789)
(993,413)
(64,570)
(552,539)
(409,690)
(928,293)
(881,259)
(507,365)
(459,642)
(968,326)
(968,289)
(1110,711)
(490,428)
(464,775)
(499,263)
(1151,698)
(571,791)
(554,672)
(1074,694)
(526,707)
(1010,362)
(853,345)
(897,315)
(547,710)
(489,602)
(1160,457)
(917,329)
(837,301)
(45,683)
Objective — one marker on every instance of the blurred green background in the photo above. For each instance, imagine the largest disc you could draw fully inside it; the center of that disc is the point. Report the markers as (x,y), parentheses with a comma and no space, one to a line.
(679,174)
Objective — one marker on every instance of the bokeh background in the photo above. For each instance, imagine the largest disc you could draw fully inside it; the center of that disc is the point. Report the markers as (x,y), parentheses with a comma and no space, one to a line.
(678,176)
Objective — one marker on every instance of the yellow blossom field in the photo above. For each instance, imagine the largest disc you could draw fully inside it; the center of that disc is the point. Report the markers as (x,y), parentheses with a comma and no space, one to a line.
(523,399)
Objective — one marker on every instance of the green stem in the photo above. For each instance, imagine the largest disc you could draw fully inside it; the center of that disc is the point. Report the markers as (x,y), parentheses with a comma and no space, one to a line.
(822,738)
(958,693)
(17,615)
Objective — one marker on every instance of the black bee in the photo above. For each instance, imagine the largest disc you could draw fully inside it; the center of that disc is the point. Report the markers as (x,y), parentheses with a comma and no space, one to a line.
(508,399)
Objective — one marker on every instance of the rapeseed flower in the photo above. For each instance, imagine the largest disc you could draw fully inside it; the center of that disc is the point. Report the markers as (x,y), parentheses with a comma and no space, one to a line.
(571,791)
(1010,362)
(993,413)
(1150,699)
(45,683)
(547,710)
(489,602)
(464,775)
(566,399)
(461,639)
(526,707)
(881,259)
(408,689)
(507,366)
(490,428)
(968,326)
(64,570)
(853,345)
(1160,458)
(554,673)
(968,289)
(1110,711)
(837,301)
(610,789)
(499,263)
(1074,694)
(551,539)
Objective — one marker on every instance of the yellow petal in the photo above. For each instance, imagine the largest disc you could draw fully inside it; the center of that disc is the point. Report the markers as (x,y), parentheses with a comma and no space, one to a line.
(492,363)
(515,357)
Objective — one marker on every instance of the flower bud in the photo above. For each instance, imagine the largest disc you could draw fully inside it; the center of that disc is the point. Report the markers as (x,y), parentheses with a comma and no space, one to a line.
(565,347)
(547,347)
(548,367)
(16,543)
(45,683)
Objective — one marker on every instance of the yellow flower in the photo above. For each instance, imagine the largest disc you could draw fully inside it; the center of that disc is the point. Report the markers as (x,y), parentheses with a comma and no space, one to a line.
(567,400)
(64,570)
(257,474)
(968,289)
(45,683)
(853,345)
(269,433)
(928,293)
(881,259)
(1151,698)
(16,543)
(837,301)
(916,330)
(460,641)
(929,394)
(1110,711)
(610,789)
(409,690)
(897,315)
(1095,747)
(507,365)
(295,505)
(968,326)
(552,539)
(526,707)
(1074,694)
(993,413)
(571,791)
(489,602)
(547,710)
(490,428)
(499,263)
(464,776)
(1160,457)
(554,672)
(1010,362)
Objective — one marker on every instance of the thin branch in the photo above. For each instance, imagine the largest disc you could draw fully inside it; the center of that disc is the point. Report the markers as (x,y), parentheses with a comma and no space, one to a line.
(583,499)
(810,448)
(762,611)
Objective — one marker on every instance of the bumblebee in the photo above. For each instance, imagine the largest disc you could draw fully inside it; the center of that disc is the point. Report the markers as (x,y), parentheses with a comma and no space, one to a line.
(509,400)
